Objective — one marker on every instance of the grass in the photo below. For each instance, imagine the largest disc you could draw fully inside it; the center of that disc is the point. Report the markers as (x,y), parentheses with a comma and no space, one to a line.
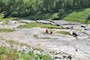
(46,38)
(6,20)
(6,30)
(10,54)
(78,16)
(34,24)
(18,43)
(7,54)
(1,16)
(12,42)
(79,29)
(64,33)
(43,16)
(36,36)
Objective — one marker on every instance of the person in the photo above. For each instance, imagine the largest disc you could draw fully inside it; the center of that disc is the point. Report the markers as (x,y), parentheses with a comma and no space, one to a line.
(51,32)
(71,28)
(72,32)
(47,31)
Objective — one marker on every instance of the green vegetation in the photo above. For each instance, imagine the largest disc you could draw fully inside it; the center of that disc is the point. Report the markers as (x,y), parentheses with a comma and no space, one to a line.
(7,54)
(1,16)
(36,36)
(64,33)
(34,24)
(10,54)
(45,38)
(79,16)
(12,42)
(6,20)
(6,30)
(12,18)
(71,10)
(41,9)
(44,16)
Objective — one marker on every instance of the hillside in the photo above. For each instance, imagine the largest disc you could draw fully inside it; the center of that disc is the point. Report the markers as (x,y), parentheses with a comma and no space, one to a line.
(44,29)
(78,16)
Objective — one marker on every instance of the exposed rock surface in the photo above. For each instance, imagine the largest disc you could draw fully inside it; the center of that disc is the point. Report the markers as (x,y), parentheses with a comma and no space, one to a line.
(61,47)
(26,21)
(43,21)
(63,22)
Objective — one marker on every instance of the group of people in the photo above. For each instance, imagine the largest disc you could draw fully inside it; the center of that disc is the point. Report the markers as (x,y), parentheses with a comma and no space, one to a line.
(72,32)
(49,31)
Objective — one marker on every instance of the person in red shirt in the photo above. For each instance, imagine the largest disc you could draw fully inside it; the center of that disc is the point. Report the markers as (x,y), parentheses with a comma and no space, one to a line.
(47,31)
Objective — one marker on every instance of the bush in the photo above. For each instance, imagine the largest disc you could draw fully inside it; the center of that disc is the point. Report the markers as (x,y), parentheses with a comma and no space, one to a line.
(1,16)
(44,16)
(10,54)
(79,16)
(6,20)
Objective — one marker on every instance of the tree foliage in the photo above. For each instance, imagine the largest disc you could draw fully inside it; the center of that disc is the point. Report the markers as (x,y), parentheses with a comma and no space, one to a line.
(22,8)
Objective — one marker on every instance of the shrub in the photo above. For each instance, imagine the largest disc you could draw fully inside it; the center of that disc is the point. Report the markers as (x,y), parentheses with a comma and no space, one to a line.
(10,54)
(1,16)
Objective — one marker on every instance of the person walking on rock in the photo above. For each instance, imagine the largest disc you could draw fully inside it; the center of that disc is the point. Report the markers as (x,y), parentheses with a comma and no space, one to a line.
(72,32)
(51,32)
